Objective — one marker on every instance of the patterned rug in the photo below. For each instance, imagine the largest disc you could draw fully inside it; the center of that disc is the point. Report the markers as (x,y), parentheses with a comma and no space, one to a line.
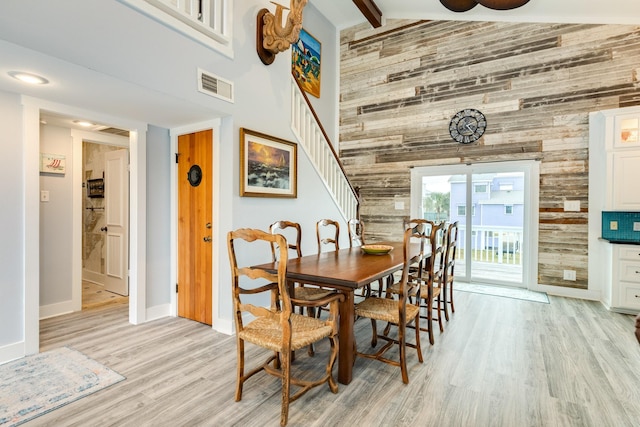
(502,291)
(37,384)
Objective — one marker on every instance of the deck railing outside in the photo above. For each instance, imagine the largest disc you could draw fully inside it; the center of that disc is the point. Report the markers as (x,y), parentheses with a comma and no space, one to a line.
(496,253)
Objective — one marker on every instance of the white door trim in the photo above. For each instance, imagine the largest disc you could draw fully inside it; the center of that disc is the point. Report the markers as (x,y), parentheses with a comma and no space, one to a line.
(531,195)
(219,244)
(78,136)
(137,192)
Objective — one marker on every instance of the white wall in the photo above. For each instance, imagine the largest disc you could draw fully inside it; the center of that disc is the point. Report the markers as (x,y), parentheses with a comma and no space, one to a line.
(56,224)
(11,229)
(159,164)
(327,105)
(262,103)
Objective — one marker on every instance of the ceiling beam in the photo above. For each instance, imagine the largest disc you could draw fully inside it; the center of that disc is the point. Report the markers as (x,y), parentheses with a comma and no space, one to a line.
(370,11)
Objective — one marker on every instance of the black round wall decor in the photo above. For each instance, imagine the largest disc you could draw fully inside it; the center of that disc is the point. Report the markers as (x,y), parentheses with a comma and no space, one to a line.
(467,126)
(195,175)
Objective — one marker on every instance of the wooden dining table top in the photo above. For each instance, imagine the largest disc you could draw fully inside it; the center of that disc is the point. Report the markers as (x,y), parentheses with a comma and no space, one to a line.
(348,268)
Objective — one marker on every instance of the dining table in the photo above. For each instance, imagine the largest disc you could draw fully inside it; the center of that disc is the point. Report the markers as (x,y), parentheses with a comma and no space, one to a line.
(344,270)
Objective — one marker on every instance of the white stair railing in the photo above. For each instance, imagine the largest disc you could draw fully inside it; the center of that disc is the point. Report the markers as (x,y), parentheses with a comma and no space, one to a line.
(317,147)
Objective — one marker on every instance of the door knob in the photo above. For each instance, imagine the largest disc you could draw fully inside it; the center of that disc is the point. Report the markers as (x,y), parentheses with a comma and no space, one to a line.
(207,239)
(208,225)
(103,228)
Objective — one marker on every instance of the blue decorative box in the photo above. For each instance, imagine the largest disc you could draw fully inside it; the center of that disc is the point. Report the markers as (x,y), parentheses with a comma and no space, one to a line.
(618,227)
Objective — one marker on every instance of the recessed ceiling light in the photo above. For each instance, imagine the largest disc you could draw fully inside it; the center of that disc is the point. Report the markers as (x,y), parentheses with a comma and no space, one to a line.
(83,123)
(33,79)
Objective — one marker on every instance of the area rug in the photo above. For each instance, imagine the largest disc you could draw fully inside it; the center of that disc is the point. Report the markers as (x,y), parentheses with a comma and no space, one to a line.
(502,291)
(37,384)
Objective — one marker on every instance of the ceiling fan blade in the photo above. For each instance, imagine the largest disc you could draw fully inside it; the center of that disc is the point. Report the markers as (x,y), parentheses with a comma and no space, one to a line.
(502,4)
(459,5)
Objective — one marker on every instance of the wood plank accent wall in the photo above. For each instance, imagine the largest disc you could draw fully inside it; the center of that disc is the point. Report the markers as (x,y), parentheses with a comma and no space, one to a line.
(536,83)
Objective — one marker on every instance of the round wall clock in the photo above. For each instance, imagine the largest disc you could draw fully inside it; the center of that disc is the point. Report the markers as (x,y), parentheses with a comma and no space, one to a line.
(467,126)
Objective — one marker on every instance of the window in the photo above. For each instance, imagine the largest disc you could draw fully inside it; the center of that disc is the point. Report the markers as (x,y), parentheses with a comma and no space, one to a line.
(506,186)
(462,210)
(508,209)
(479,188)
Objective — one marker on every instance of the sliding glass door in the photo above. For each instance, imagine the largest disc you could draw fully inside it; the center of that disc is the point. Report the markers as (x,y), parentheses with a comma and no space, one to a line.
(494,204)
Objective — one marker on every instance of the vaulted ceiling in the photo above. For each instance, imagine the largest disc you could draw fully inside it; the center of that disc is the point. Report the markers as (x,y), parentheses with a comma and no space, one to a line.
(345,13)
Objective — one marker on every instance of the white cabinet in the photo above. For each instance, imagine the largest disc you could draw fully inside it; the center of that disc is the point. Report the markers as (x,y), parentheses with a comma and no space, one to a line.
(625,289)
(625,169)
(614,185)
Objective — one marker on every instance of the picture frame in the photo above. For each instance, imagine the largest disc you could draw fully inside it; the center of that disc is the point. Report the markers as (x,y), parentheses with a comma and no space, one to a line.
(53,163)
(95,188)
(268,166)
(306,62)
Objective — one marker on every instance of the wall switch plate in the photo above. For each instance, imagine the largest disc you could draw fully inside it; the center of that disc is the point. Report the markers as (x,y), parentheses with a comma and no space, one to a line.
(636,226)
(613,225)
(44,196)
(572,205)
(399,206)
(569,275)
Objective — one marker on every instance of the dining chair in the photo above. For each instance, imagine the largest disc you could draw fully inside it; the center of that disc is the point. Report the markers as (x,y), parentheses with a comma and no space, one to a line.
(355,228)
(328,238)
(449,267)
(293,233)
(277,327)
(429,272)
(328,235)
(400,311)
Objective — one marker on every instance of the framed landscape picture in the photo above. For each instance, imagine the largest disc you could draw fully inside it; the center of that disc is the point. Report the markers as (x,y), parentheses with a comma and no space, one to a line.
(268,166)
(305,63)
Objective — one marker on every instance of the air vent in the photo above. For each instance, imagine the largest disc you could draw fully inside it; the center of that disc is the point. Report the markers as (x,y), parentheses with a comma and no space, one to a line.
(213,85)
(116,131)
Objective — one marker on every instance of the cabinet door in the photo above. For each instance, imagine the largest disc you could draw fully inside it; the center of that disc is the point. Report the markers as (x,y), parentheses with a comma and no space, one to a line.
(627,131)
(626,176)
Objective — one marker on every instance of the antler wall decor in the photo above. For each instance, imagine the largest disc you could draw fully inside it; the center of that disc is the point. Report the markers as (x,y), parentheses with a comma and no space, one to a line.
(272,37)
(465,5)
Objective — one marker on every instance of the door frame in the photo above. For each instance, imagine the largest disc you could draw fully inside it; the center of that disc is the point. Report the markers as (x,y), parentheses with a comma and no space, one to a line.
(218,232)
(137,207)
(78,137)
(531,169)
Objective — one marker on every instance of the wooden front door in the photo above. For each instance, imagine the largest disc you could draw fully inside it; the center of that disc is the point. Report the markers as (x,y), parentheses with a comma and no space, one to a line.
(195,184)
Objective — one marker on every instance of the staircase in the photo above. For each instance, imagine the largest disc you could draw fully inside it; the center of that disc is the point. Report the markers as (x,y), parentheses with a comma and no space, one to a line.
(315,142)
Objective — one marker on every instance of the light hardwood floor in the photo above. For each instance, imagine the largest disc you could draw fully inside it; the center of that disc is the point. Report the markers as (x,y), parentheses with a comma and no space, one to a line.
(500,362)
(94,295)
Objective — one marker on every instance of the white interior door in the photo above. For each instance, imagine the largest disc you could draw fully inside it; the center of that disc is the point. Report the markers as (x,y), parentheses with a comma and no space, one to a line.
(116,193)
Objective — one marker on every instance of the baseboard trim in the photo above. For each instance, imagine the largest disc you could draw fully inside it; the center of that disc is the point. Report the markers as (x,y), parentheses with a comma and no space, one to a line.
(560,291)
(157,312)
(12,352)
(57,309)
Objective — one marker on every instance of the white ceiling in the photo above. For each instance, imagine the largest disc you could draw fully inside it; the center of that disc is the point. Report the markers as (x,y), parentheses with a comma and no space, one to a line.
(344,13)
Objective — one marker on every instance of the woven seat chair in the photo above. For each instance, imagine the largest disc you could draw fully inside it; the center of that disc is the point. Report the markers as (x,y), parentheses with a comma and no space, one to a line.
(293,233)
(355,228)
(328,238)
(446,282)
(276,328)
(429,271)
(396,311)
